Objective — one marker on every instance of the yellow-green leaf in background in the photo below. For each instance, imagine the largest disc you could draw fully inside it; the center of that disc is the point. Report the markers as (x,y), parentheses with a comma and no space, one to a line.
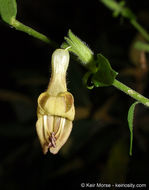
(130,123)
(8,10)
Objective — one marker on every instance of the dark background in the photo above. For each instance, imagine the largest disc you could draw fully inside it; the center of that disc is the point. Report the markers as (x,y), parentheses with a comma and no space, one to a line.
(98,148)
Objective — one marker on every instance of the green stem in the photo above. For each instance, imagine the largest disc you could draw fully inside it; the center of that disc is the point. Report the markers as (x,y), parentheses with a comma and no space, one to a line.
(19,26)
(140,29)
(131,92)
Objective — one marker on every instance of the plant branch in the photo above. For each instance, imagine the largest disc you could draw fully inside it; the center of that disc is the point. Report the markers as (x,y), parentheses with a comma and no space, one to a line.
(119,8)
(140,29)
(19,26)
(131,92)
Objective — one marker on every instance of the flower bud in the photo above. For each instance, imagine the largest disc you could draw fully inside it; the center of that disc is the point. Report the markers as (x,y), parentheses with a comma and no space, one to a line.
(55,107)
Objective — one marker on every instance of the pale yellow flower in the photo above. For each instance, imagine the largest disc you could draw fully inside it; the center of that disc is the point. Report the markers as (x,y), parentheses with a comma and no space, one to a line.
(55,107)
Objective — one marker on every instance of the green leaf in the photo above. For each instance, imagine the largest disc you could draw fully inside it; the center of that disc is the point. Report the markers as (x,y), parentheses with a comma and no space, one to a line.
(130,123)
(8,10)
(105,75)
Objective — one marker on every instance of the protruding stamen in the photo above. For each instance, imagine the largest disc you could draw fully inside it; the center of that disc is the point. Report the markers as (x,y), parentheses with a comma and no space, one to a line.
(52,140)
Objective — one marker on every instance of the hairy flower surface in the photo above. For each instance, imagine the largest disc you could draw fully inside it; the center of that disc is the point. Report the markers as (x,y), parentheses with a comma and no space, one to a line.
(55,107)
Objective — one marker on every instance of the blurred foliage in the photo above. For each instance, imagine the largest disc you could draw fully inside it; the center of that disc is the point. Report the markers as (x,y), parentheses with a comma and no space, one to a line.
(97,150)
(120,8)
